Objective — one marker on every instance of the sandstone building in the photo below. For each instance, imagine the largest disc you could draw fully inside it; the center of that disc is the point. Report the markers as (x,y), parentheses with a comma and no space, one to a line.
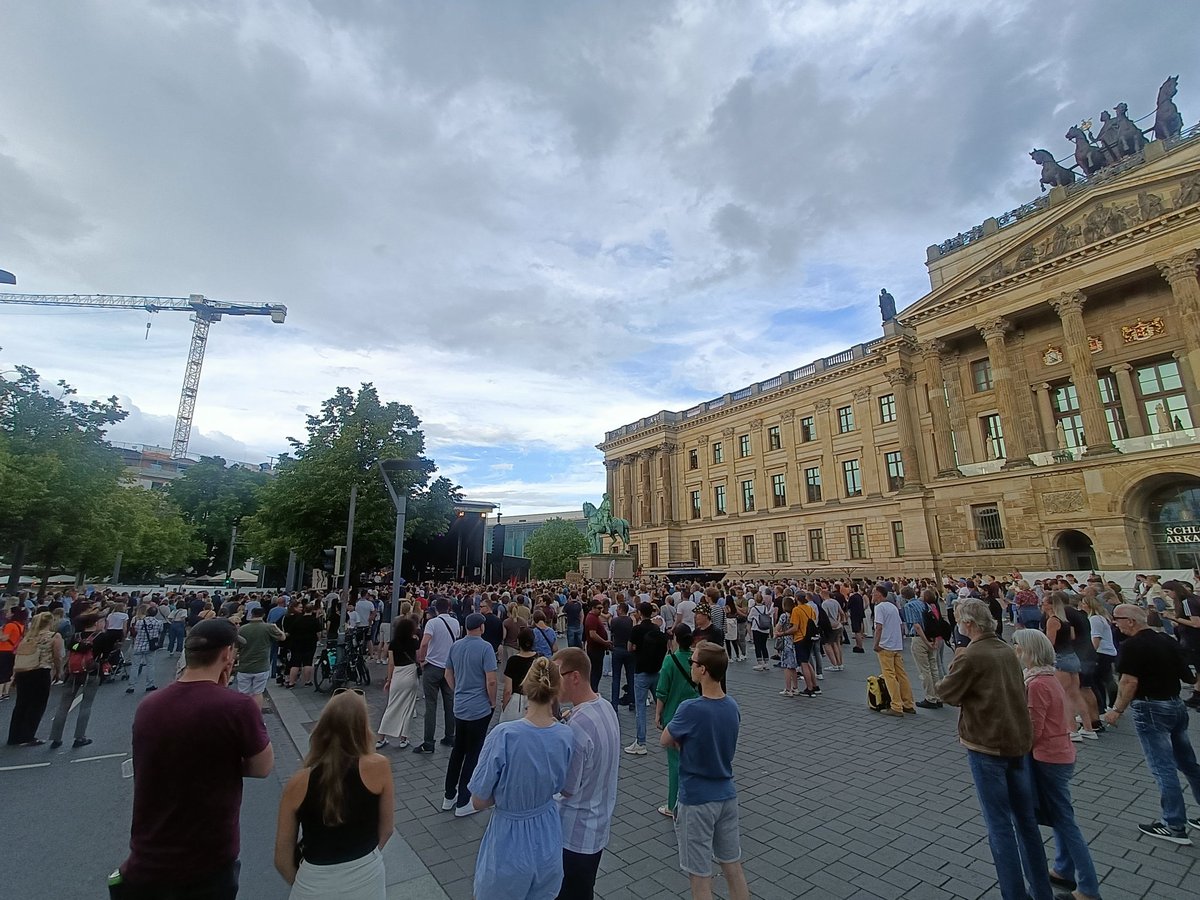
(1036,410)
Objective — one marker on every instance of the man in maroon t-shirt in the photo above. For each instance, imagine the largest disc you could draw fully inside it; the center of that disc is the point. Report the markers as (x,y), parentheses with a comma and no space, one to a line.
(193,742)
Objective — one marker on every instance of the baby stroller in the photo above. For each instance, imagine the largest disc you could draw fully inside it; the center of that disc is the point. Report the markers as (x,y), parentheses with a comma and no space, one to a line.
(113,666)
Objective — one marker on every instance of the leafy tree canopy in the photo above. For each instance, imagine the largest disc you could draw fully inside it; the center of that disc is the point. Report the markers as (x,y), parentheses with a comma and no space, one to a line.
(305,506)
(555,548)
(214,498)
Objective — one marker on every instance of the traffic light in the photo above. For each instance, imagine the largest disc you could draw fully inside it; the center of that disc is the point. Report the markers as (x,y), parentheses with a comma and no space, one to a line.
(331,561)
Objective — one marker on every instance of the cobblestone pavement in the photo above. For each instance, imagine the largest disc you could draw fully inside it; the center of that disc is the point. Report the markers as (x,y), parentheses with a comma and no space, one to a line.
(836,802)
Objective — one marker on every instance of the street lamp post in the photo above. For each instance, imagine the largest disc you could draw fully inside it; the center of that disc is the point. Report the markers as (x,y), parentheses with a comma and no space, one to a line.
(388,468)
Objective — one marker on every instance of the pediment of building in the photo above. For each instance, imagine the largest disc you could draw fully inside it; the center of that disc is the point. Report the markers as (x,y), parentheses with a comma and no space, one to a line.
(1094,220)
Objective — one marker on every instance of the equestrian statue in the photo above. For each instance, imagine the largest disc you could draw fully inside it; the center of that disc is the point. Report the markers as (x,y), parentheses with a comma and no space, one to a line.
(1053,175)
(601,522)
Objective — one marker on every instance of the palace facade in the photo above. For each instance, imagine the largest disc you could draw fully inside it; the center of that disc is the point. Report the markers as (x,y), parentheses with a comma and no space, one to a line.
(1036,410)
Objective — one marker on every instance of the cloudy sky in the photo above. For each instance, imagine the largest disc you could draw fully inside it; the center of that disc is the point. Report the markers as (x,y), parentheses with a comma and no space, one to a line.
(533,221)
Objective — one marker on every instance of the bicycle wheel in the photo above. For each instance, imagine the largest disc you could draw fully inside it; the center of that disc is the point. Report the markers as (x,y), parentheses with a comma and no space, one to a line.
(321,674)
(362,674)
(339,676)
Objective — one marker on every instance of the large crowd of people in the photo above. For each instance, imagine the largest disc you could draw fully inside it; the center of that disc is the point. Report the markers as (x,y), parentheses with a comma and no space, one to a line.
(1037,671)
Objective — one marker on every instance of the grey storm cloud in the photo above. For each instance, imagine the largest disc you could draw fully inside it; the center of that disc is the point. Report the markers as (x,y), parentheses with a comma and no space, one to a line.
(541,182)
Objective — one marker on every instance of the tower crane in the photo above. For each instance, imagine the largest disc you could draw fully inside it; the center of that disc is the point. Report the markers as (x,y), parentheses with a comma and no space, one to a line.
(204,313)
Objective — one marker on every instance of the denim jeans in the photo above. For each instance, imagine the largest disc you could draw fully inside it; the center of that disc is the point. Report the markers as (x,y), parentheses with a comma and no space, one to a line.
(1162,728)
(1005,792)
(143,661)
(433,685)
(1073,859)
(176,632)
(644,684)
(622,671)
(574,635)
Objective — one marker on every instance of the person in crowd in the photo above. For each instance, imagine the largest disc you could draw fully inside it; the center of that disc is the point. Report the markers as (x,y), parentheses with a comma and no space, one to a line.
(921,614)
(589,793)
(275,616)
(784,630)
(11,631)
(471,674)
(254,658)
(402,683)
(619,629)
(1060,625)
(1029,613)
(441,632)
(831,636)
(1053,762)
(523,765)
(36,665)
(1151,666)
(85,653)
(889,649)
(146,629)
(185,831)
(303,630)
(493,626)
(574,613)
(545,637)
(675,685)
(513,703)
(804,636)
(987,685)
(596,640)
(1100,622)
(648,644)
(177,626)
(1183,612)
(341,804)
(704,731)
(856,607)
(509,646)
(761,619)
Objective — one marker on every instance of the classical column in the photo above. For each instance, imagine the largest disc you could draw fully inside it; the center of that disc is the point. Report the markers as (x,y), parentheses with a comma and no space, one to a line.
(791,477)
(1129,401)
(648,516)
(869,463)
(1180,272)
(963,435)
(628,461)
(1046,414)
(1069,307)
(611,466)
(666,457)
(1006,395)
(901,381)
(935,387)
(832,487)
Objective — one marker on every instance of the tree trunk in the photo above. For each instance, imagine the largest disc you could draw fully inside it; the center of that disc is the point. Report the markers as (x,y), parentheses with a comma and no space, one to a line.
(18,564)
(41,595)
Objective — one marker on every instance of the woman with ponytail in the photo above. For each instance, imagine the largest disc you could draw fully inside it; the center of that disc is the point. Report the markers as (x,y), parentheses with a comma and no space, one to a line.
(336,813)
(522,766)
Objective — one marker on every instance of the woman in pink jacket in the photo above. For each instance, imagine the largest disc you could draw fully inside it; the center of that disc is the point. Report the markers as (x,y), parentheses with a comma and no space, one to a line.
(1053,763)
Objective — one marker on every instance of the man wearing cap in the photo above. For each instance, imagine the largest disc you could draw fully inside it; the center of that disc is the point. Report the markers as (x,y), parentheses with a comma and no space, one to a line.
(471,674)
(1151,667)
(185,819)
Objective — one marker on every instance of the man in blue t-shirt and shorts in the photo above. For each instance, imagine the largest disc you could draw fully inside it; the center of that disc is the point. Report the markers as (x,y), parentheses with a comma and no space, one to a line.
(705,731)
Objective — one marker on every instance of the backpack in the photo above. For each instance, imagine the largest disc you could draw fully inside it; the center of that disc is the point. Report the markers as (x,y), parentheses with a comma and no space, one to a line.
(934,626)
(878,698)
(762,619)
(81,659)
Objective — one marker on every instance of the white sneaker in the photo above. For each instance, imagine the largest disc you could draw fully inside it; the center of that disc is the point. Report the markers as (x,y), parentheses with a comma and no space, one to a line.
(1088,735)
(468,809)
(636,749)
(785,693)
(448,803)
(1076,737)
(820,678)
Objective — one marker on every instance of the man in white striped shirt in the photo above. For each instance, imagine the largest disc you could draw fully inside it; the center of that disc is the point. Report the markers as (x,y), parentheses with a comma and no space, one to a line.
(590,793)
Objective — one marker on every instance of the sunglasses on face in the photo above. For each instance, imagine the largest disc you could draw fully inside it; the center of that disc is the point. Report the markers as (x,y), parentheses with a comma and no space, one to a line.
(358,691)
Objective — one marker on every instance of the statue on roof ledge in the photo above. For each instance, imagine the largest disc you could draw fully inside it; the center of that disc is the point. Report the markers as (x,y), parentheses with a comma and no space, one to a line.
(887,305)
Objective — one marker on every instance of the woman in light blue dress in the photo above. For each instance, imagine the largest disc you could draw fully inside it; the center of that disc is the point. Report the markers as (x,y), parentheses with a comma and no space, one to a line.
(522,766)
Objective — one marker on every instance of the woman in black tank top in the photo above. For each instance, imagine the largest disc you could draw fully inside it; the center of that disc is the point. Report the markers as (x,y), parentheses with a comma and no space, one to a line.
(336,813)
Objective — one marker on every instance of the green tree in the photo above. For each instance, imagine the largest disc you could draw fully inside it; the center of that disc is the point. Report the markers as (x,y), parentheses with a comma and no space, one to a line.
(305,506)
(151,534)
(554,548)
(214,498)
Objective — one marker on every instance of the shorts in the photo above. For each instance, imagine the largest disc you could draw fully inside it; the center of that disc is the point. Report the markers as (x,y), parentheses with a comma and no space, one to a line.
(1067,662)
(251,683)
(856,623)
(385,633)
(299,657)
(707,833)
(803,651)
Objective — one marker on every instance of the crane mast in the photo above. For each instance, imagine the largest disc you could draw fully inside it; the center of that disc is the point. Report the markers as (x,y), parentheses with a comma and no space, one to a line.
(204,313)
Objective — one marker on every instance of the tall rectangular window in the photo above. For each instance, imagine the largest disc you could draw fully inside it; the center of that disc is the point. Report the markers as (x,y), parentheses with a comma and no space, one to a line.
(895,470)
(695,548)
(747,495)
(781,546)
(989,532)
(693,459)
(808,429)
(887,408)
(654,554)
(695,504)
(744,445)
(993,436)
(1064,402)
(812,484)
(856,539)
(852,478)
(845,419)
(748,550)
(719,550)
(1113,413)
(718,452)
(719,500)
(816,543)
(778,490)
(898,538)
(1160,390)
(981,375)
(774,441)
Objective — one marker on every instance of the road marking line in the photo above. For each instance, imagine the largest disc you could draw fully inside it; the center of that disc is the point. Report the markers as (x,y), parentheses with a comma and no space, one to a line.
(30,766)
(90,758)
(74,703)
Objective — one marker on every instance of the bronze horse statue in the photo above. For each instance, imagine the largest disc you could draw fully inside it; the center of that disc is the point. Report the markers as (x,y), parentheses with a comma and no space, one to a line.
(1167,120)
(1130,139)
(1088,156)
(1053,175)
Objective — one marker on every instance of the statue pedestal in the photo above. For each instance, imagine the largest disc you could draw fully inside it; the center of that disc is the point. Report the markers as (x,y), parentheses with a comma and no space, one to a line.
(599,566)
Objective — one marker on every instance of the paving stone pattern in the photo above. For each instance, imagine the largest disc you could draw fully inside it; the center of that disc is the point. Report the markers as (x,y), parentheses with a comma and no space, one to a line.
(831,804)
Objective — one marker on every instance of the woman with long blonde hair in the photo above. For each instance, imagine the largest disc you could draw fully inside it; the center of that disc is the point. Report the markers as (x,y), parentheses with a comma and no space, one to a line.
(340,805)
(36,664)
(522,766)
